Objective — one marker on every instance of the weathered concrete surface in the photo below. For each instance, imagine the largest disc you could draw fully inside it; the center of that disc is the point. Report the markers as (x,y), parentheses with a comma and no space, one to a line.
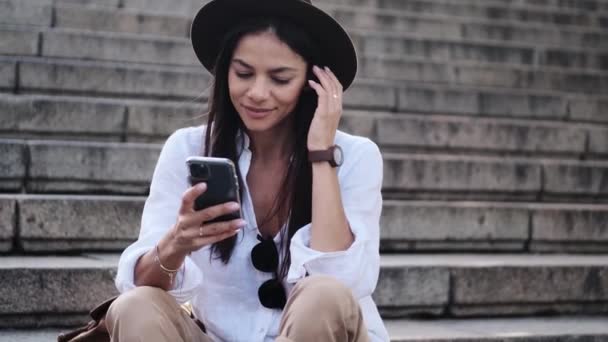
(12,164)
(434,222)
(7,74)
(477,133)
(26,12)
(68,223)
(54,284)
(7,223)
(57,115)
(545,329)
(110,20)
(18,42)
(118,47)
(112,79)
(576,177)
(159,120)
(412,290)
(407,173)
(90,167)
(570,226)
(483,9)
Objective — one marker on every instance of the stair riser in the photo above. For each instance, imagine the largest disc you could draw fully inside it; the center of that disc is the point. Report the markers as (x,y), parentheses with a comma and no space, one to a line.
(179,51)
(413,289)
(57,224)
(99,80)
(47,118)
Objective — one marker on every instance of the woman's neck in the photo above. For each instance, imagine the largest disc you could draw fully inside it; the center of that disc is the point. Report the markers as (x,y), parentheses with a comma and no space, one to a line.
(273,145)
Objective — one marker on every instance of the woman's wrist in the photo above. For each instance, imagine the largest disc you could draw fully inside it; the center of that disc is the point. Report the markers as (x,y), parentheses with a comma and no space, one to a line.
(168,255)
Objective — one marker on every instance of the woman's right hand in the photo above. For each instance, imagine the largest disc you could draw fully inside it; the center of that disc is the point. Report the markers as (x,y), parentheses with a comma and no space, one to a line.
(191,233)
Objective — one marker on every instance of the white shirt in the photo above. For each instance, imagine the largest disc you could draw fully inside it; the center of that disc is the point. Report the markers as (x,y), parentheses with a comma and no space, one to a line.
(225,297)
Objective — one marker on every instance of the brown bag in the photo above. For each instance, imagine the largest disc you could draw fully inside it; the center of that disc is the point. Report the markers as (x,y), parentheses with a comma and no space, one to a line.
(95,330)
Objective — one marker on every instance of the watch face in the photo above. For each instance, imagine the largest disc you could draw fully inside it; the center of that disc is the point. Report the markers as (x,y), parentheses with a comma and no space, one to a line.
(338,156)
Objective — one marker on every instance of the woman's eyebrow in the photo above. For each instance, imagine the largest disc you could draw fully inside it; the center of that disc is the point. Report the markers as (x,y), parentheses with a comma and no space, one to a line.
(273,71)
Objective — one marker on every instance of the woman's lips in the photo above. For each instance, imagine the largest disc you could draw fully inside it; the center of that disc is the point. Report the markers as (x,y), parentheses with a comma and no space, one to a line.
(256,113)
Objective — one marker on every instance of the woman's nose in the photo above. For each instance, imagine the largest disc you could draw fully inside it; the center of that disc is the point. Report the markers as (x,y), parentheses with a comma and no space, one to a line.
(258,91)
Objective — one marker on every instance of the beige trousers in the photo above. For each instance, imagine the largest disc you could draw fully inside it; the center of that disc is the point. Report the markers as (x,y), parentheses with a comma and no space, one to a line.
(319,308)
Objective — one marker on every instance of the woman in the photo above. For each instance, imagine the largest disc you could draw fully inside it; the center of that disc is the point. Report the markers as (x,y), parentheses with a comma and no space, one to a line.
(303,262)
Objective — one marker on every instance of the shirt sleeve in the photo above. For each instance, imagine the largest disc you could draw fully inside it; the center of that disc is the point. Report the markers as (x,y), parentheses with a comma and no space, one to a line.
(169,182)
(357,267)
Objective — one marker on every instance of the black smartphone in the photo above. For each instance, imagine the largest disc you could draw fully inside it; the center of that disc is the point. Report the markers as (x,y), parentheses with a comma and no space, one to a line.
(222,183)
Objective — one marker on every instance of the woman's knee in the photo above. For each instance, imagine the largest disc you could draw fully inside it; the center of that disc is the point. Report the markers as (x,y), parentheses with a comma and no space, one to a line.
(141,302)
(323,293)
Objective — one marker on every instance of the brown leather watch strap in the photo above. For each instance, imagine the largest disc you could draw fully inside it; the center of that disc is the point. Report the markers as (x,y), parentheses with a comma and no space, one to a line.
(324,156)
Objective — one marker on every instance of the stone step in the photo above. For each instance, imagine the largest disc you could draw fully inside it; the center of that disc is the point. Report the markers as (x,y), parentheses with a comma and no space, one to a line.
(547,15)
(73,223)
(562,13)
(40,166)
(72,77)
(541,329)
(121,47)
(478,284)
(463,28)
(73,118)
(490,74)
(126,20)
(62,289)
(131,21)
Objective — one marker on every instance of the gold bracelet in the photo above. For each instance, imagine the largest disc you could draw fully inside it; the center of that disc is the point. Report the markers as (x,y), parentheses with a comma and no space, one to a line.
(171,273)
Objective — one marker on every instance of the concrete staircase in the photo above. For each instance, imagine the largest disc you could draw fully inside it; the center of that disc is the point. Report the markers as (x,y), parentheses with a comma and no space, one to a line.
(492,116)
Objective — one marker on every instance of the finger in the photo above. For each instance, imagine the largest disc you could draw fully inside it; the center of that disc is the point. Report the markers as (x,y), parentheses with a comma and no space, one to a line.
(190,196)
(323,79)
(332,82)
(321,93)
(201,242)
(338,85)
(215,211)
(221,227)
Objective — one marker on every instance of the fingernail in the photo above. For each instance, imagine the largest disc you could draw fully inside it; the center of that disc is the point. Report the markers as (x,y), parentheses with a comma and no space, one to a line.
(201,186)
(327,69)
(242,223)
(233,206)
(316,67)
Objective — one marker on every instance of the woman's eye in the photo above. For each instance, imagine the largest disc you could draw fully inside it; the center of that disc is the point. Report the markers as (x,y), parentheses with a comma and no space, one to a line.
(243,75)
(280,81)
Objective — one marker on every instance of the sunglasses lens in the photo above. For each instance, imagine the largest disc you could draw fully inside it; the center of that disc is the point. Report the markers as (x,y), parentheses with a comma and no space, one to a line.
(265,256)
(272,294)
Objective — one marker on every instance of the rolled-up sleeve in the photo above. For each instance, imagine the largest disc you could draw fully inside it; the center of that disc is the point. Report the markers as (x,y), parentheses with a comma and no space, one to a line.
(357,267)
(169,182)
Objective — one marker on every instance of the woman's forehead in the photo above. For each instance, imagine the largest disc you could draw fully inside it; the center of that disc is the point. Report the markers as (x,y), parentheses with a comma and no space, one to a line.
(264,50)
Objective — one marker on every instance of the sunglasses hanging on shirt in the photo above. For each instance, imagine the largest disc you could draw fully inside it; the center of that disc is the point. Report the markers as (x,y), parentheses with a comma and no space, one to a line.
(265,258)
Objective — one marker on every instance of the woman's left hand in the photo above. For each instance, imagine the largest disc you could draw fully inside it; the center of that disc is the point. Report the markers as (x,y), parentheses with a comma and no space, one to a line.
(329,109)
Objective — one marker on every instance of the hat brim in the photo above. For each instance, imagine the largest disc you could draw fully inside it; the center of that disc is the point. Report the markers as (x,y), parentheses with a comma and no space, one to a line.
(217,17)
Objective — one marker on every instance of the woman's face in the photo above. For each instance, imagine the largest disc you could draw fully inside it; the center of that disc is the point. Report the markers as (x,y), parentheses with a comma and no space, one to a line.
(265,79)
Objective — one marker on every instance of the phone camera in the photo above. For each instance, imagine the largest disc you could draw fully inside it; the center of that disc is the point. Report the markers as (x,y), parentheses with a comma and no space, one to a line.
(200,171)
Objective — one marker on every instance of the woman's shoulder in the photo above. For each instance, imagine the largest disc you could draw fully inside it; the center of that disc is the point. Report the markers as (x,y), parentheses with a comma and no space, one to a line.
(356,147)
(187,139)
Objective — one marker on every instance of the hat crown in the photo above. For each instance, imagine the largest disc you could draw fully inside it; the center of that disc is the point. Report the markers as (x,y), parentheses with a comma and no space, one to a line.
(216,18)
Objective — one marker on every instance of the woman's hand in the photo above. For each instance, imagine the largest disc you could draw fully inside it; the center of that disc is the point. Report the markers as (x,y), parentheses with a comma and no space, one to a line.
(329,109)
(191,233)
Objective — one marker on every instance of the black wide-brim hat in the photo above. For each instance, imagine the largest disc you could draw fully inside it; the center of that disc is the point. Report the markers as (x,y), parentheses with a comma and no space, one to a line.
(218,17)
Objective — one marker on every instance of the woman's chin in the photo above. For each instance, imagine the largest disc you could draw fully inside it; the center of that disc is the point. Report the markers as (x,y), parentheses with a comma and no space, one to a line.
(257,125)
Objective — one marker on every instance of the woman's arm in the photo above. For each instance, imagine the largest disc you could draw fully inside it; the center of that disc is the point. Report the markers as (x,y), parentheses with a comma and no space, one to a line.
(330,231)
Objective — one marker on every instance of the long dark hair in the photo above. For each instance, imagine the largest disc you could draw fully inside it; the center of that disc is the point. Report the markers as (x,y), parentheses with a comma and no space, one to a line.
(224,124)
